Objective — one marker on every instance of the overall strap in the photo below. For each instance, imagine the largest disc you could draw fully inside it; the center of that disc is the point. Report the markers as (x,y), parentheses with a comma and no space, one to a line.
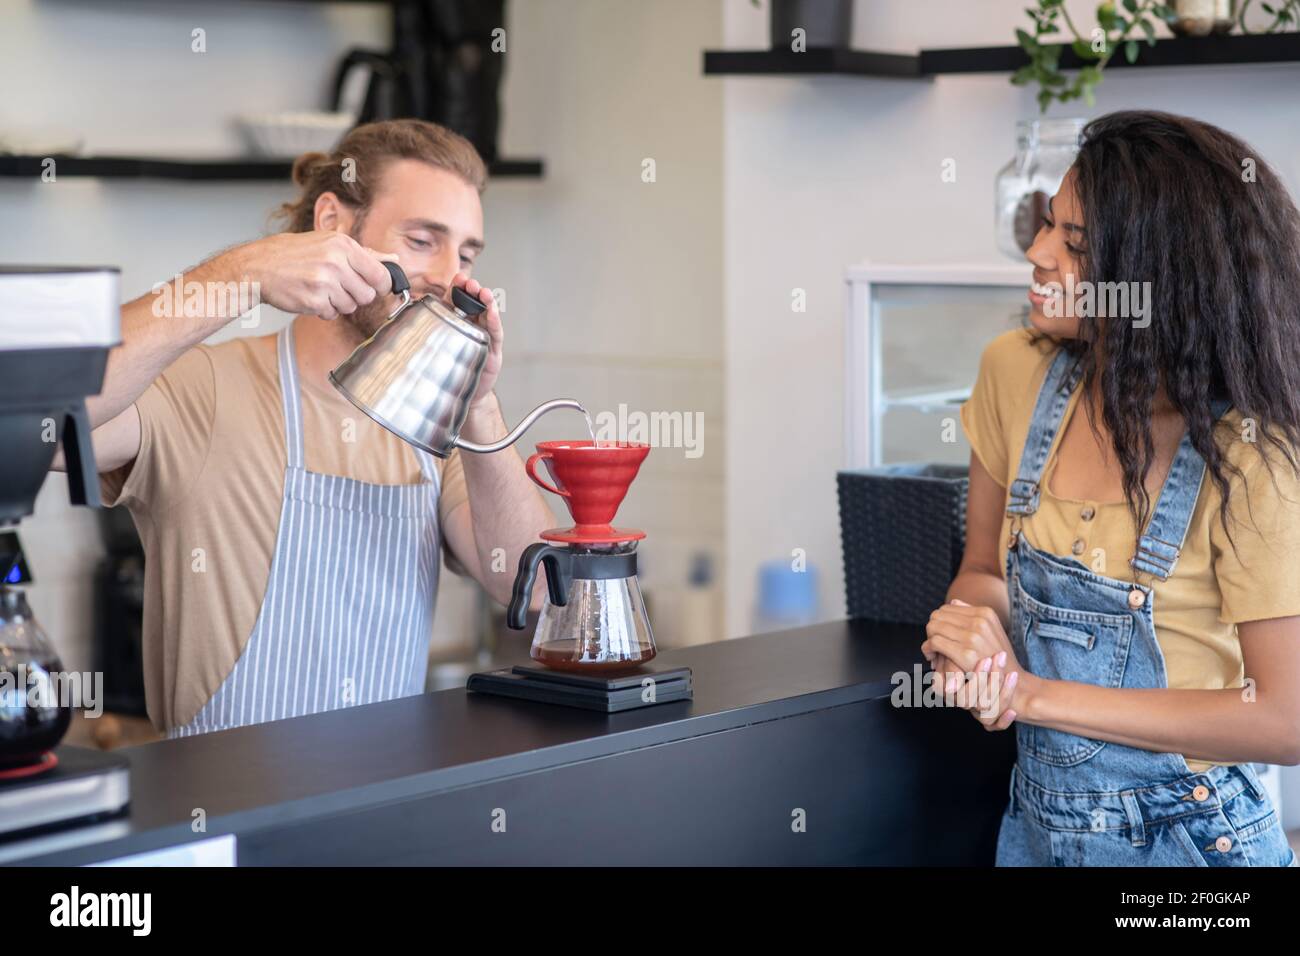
(1161,544)
(289,397)
(1053,398)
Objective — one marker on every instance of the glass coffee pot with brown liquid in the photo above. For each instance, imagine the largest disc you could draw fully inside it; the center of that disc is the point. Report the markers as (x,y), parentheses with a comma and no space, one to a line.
(32,719)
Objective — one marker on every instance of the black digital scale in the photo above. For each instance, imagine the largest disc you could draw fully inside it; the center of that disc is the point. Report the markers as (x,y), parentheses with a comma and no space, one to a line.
(611,693)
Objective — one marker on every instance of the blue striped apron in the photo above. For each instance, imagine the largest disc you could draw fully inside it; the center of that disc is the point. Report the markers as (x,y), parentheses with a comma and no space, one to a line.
(348,611)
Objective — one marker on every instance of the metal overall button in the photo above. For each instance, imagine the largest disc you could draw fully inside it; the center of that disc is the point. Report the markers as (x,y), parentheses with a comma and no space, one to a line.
(1201,793)
(1136,598)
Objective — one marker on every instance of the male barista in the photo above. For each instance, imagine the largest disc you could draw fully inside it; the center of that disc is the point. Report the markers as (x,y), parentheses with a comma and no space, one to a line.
(291,543)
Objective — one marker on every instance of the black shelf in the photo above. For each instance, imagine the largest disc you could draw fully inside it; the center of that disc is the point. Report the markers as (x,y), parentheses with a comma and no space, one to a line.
(1178,51)
(207,170)
(1172,51)
(817,60)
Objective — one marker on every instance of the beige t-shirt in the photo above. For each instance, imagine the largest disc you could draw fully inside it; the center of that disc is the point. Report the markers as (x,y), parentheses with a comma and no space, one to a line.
(205,493)
(1213,588)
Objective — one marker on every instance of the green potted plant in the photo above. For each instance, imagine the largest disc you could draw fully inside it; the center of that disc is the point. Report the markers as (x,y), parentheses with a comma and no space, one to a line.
(1124,25)
(1119,26)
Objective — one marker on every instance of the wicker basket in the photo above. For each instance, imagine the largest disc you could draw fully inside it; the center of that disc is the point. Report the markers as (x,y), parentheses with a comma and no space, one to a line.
(903,530)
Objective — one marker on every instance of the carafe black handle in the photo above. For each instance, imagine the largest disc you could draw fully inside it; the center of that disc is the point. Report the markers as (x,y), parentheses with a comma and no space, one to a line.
(557,581)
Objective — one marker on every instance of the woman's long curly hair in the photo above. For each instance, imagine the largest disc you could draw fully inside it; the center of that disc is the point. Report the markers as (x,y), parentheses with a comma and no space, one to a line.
(1195,212)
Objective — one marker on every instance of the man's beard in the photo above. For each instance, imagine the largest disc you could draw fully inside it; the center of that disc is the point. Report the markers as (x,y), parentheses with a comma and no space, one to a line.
(367,319)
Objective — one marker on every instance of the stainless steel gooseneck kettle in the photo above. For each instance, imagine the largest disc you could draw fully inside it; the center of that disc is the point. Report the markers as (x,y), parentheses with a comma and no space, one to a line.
(417,374)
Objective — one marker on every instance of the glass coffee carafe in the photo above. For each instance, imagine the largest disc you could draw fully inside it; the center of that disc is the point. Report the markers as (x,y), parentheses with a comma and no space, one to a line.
(602,625)
(32,718)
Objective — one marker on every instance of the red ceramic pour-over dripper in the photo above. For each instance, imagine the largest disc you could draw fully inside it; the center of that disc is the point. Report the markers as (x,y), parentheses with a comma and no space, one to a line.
(592,478)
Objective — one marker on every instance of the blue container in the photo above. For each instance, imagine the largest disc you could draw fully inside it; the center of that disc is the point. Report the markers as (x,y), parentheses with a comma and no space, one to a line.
(786,597)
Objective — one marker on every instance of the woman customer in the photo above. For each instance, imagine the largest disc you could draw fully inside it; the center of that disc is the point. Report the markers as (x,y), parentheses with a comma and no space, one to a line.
(1130,588)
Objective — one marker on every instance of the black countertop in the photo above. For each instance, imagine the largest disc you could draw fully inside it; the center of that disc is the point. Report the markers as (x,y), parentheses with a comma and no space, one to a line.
(308,767)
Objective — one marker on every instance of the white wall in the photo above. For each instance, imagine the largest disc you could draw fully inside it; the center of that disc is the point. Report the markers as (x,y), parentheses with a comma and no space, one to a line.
(612,291)
(823,172)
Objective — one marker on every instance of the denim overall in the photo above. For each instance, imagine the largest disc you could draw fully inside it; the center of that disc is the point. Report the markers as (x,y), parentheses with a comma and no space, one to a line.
(1075,801)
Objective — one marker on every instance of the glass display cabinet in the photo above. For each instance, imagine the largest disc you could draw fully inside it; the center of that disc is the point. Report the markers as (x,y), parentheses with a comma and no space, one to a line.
(913,338)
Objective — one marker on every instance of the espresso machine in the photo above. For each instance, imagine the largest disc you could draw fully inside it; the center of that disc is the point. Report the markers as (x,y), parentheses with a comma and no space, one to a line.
(593,638)
(57,326)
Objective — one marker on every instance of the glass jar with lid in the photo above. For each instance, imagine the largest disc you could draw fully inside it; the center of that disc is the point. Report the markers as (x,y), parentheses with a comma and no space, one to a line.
(1045,151)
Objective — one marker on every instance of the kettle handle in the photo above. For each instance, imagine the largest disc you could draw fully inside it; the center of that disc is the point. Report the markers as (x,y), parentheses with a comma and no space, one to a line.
(400,282)
(401,286)
(558,579)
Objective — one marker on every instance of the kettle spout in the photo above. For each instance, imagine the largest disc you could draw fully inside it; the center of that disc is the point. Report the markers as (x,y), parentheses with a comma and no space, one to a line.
(522,427)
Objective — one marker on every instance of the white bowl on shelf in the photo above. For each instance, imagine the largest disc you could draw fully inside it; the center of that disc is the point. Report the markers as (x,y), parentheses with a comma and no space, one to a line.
(285,135)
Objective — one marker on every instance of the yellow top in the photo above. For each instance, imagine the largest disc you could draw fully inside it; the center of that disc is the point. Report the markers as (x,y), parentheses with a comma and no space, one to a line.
(1213,588)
